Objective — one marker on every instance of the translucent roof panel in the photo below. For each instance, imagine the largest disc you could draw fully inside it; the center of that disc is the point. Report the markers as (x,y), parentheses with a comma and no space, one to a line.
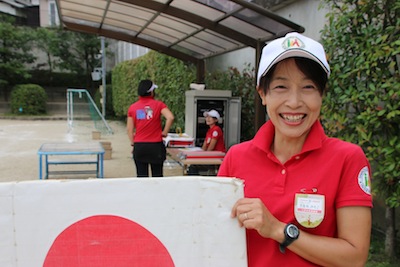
(185,29)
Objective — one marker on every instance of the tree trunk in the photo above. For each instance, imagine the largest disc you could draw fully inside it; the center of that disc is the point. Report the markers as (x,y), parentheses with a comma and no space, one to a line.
(390,232)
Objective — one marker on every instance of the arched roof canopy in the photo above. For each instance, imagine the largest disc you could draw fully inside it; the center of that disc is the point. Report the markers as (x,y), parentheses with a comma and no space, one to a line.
(187,30)
(190,30)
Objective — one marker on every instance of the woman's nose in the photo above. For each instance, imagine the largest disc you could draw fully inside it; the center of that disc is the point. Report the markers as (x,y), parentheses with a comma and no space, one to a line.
(294,99)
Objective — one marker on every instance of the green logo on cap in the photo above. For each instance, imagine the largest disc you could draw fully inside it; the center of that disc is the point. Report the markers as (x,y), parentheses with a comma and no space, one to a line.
(292,42)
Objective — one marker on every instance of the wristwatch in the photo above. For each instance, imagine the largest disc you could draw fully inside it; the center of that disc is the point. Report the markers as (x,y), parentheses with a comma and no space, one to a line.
(291,233)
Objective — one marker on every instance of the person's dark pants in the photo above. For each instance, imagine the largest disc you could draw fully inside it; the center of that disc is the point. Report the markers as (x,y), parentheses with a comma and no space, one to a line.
(153,154)
(142,169)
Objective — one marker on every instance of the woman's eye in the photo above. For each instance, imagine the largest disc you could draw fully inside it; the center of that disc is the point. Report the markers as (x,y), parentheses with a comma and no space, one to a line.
(310,87)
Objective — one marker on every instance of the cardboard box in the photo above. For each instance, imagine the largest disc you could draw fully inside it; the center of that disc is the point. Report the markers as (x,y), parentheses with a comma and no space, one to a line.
(107,149)
(96,135)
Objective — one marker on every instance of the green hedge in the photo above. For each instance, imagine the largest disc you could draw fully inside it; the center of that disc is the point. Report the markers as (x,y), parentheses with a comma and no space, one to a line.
(56,79)
(28,99)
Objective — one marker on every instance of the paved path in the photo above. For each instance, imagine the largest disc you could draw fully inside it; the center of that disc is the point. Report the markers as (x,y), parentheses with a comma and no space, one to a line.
(21,139)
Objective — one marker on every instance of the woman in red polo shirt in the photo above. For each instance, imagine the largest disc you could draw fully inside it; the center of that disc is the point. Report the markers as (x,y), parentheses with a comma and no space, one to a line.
(307,196)
(145,131)
(214,140)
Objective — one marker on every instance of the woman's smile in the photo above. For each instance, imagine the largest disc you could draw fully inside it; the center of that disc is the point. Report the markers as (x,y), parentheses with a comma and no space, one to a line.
(293,118)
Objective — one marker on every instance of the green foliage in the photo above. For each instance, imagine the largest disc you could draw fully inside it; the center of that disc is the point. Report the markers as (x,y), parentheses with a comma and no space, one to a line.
(362,106)
(47,40)
(242,85)
(71,52)
(67,51)
(77,51)
(57,79)
(15,52)
(28,99)
(377,257)
(172,76)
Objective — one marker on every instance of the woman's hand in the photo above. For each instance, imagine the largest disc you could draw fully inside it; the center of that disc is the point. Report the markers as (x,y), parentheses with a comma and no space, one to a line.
(251,213)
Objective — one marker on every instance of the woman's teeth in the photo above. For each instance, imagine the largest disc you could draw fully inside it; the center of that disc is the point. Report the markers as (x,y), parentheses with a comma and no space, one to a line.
(293,118)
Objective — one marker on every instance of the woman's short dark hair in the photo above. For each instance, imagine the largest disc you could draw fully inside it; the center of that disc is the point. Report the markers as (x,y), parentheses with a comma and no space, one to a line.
(144,86)
(310,69)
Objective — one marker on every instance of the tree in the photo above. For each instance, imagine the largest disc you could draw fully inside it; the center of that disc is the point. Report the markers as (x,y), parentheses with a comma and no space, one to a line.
(78,51)
(72,52)
(47,40)
(362,104)
(15,52)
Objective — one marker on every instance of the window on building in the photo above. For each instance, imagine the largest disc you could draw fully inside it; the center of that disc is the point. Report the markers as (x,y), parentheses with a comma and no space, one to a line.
(53,16)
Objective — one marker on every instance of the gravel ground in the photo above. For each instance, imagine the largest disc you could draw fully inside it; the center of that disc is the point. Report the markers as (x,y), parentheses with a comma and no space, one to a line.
(21,139)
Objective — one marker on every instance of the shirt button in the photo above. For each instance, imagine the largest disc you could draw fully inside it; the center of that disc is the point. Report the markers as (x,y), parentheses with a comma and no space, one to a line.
(297,157)
(283,171)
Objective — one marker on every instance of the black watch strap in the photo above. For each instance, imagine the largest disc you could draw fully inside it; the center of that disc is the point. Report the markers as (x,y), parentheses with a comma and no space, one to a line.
(291,233)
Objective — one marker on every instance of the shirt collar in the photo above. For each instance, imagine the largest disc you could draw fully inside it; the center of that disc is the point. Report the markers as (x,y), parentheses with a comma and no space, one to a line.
(146,97)
(265,135)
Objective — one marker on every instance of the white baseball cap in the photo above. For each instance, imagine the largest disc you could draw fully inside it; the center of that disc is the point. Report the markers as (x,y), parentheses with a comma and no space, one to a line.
(212,113)
(292,45)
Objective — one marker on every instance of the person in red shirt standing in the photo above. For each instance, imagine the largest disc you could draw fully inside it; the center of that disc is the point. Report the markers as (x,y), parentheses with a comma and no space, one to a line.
(214,140)
(144,127)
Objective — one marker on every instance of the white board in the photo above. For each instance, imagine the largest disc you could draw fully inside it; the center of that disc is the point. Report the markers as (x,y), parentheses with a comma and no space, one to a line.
(179,221)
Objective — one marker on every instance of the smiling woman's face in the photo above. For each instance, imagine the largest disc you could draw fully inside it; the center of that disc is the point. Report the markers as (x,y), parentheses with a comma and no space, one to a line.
(293,101)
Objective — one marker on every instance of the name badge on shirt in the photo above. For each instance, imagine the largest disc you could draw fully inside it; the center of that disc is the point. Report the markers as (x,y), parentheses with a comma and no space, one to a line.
(309,209)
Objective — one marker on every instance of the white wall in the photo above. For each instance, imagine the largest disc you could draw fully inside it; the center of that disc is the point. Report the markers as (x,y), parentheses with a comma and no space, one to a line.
(126,51)
(307,14)
(302,12)
(44,13)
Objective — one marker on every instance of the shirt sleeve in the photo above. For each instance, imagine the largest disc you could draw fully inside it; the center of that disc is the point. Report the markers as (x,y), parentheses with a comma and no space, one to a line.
(224,169)
(355,183)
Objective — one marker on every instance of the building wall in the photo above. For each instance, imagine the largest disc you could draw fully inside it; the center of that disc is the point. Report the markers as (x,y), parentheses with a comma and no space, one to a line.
(8,9)
(48,13)
(302,12)
(307,14)
(127,51)
(25,11)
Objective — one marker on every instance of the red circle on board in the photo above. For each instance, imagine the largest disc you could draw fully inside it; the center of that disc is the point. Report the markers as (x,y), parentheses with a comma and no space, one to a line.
(105,241)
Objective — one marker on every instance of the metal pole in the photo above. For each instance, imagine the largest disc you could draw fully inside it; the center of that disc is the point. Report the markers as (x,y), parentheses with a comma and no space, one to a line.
(103,74)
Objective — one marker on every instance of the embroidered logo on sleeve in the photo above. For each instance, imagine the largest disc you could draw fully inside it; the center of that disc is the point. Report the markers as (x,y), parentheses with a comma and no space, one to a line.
(215,134)
(364,180)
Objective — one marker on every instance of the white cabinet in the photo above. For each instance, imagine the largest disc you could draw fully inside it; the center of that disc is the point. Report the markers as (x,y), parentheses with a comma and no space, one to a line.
(198,101)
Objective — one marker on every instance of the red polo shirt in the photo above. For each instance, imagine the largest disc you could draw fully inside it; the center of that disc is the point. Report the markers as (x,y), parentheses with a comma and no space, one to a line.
(331,167)
(146,115)
(215,132)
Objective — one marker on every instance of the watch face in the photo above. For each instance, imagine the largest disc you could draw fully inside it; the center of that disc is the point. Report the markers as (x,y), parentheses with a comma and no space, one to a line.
(292,231)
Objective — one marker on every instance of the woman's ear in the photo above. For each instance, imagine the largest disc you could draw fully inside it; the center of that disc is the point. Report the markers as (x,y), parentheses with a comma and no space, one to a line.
(261,93)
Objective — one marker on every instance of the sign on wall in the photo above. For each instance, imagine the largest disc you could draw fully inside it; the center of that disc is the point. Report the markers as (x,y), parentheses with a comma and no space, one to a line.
(172,221)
